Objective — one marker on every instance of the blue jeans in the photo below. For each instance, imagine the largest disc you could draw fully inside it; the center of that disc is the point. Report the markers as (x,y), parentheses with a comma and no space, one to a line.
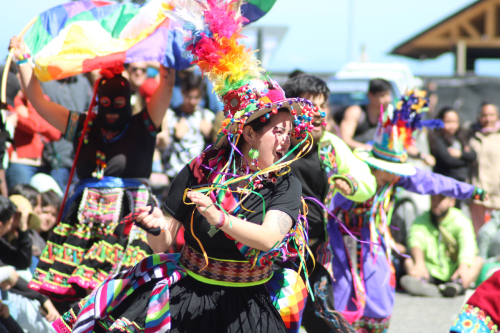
(61,176)
(21,174)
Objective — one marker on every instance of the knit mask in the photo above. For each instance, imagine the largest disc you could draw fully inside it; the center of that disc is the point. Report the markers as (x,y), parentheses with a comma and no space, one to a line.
(113,97)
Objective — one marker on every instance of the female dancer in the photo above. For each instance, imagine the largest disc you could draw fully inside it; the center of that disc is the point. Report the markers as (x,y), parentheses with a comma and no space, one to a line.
(238,204)
(113,166)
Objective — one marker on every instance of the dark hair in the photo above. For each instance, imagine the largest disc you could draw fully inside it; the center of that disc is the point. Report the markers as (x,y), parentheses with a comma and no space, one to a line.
(193,81)
(301,85)
(461,134)
(379,85)
(27,191)
(7,209)
(295,73)
(51,198)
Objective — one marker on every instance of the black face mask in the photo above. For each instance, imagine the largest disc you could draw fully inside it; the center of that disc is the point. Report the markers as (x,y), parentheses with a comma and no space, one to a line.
(113,97)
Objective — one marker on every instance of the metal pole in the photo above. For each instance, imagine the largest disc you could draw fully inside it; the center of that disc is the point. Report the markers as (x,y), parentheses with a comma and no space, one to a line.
(260,44)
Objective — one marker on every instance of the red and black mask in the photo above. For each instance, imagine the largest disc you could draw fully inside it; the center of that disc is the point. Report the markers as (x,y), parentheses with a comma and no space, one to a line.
(113,98)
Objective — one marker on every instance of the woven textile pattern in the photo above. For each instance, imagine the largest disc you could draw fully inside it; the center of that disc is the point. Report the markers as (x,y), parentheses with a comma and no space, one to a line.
(223,270)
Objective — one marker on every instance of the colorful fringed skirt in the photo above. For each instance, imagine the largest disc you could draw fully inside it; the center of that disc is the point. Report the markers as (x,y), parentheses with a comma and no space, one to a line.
(365,281)
(89,243)
(164,294)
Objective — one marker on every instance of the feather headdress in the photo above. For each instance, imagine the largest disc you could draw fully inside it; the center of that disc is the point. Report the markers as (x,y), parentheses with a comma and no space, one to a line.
(212,33)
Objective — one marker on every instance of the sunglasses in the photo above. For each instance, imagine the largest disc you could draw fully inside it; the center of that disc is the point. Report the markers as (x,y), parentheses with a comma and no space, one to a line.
(136,69)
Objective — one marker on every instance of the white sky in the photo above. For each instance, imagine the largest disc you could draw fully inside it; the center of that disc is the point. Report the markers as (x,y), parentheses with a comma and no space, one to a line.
(317,38)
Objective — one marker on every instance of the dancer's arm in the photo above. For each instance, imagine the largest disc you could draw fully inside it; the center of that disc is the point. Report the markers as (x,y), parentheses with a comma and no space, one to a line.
(169,225)
(261,237)
(353,170)
(160,101)
(55,114)
(428,182)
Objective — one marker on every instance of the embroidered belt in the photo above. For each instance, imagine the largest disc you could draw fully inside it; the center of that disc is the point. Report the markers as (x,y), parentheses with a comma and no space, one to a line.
(224,270)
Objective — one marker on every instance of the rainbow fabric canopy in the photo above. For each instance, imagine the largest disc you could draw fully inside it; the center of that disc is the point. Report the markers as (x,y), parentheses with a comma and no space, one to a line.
(81,36)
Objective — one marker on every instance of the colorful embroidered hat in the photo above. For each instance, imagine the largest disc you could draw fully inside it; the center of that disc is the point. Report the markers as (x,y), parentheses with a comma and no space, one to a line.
(395,133)
(213,28)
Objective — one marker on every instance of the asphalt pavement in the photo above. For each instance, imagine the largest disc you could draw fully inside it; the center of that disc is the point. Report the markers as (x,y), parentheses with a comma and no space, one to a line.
(424,314)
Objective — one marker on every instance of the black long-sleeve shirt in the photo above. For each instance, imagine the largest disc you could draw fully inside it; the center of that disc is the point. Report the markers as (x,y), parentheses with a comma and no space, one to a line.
(18,255)
(456,168)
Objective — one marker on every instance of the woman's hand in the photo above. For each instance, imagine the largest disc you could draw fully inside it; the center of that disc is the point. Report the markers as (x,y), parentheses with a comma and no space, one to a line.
(456,153)
(52,313)
(181,128)
(23,111)
(205,206)
(18,45)
(429,159)
(153,220)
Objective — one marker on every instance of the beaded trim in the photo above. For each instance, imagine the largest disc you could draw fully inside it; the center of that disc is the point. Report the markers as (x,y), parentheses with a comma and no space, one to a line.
(473,319)
(221,270)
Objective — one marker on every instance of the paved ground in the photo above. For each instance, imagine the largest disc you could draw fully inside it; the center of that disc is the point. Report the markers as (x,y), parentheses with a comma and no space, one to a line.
(424,315)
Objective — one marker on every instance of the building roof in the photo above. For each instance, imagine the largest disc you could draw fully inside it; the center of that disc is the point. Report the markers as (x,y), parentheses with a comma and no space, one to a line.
(477,24)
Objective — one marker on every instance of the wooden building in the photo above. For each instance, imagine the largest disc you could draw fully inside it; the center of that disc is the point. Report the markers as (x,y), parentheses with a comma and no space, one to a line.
(472,33)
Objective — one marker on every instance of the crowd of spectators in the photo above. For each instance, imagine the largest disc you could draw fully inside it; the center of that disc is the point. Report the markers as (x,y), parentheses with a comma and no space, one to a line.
(36,165)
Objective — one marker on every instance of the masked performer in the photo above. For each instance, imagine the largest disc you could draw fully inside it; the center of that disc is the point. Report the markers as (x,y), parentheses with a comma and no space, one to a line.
(114,166)
(238,203)
(365,279)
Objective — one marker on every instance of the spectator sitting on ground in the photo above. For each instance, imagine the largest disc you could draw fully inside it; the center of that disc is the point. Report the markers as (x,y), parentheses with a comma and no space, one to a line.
(30,193)
(51,203)
(486,171)
(7,323)
(450,147)
(23,301)
(189,126)
(17,255)
(443,252)
(359,122)
(488,242)
(32,131)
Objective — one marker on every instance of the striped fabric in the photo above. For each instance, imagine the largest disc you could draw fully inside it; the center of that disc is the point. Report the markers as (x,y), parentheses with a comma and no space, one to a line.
(116,289)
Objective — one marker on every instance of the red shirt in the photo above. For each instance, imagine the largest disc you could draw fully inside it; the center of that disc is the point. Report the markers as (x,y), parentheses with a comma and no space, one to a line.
(31,132)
